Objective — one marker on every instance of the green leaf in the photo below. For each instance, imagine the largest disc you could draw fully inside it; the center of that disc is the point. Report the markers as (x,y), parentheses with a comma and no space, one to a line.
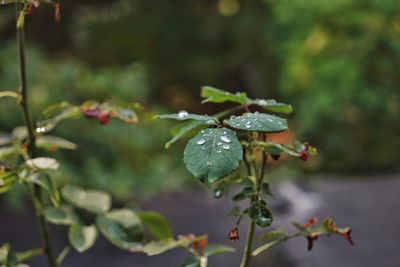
(9,94)
(7,181)
(8,152)
(213,154)
(43,163)
(56,113)
(82,237)
(272,235)
(48,184)
(157,225)
(277,149)
(91,200)
(184,130)
(258,122)
(53,142)
(272,106)
(158,247)
(191,261)
(259,213)
(219,96)
(122,228)
(265,247)
(247,192)
(215,249)
(184,115)
(266,189)
(64,215)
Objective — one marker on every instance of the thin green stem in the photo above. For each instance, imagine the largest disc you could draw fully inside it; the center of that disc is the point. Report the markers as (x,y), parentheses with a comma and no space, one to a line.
(24,102)
(252,172)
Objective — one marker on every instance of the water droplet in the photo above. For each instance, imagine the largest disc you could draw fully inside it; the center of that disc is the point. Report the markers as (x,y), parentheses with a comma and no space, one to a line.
(209,163)
(201,141)
(202,131)
(225,139)
(248,125)
(262,102)
(218,150)
(269,119)
(219,143)
(210,122)
(256,113)
(217,193)
(279,122)
(40,130)
(203,148)
(226,146)
(183,114)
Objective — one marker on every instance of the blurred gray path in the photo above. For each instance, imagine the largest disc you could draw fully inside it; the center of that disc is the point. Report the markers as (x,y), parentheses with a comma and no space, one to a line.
(371,205)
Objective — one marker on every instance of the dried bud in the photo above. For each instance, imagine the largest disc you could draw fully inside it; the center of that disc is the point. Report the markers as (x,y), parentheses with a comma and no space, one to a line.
(234,234)
(311,222)
(275,157)
(103,117)
(57,12)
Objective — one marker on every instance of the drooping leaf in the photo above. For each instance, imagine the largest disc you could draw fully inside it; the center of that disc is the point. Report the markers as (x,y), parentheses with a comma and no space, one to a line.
(272,105)
(124,114)
(265,247)
(49,142)
(258,122)
(19,133)
(219,96)
(213,154)
(122,228)
(215,249)
(272,235)
(277,149)
(43,163)
(8,152)
(265,189)
(63,215)
(157,225)
(260,214)
(56,113)
(46,182)
(184,130)
(8,93)
(91,200)
(247,192)
(82,237)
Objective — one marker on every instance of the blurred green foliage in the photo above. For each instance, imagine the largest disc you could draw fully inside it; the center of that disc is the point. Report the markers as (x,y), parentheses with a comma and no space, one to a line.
(337,62)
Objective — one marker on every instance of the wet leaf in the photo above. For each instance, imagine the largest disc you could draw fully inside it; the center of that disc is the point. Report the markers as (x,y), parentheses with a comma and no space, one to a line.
(258,122)
(50,143)
(213,154)
(215,249)
(260,214)
(43,163)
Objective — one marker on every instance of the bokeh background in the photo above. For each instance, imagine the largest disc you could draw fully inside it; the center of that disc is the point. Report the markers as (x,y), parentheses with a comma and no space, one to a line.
(337,62)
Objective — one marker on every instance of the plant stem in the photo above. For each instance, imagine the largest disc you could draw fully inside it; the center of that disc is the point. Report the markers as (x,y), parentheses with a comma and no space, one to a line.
(31,142)
(252,172)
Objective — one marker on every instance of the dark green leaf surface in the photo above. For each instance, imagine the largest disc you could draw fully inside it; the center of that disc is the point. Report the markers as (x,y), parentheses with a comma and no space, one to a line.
(82,237)
(7,181)
(92,200)
(260,214)
(213,154)
(258,122)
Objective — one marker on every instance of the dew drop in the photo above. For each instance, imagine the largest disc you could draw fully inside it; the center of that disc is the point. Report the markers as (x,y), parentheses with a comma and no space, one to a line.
(201,141)
(209,163)
(209,122)
(262,102)
(269,119)
(218,150)
(203,148)
(225,139)
(183,114)
(219,143)
(226,146)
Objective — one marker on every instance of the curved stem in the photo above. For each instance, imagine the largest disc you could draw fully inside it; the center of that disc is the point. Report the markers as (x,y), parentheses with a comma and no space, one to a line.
(31,143)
